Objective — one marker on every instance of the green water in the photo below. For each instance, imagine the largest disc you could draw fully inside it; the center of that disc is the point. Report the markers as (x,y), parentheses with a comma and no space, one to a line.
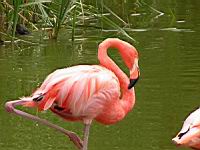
(169,86)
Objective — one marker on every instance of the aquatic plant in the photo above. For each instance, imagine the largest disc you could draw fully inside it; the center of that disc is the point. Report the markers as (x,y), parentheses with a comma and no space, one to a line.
(52,15)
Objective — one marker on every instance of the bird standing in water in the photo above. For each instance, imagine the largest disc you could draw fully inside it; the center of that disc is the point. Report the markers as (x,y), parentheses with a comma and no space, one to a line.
(87,92)
(189,136)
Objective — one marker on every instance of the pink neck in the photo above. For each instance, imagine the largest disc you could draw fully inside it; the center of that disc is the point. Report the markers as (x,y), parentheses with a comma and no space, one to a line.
(128,97)
(109,63)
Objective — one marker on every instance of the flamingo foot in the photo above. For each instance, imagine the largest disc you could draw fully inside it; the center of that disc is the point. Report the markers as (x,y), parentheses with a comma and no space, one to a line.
(76,140)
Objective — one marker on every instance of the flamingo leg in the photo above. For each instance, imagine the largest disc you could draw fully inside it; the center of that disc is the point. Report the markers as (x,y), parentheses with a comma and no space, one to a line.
(10,107)
(86,136)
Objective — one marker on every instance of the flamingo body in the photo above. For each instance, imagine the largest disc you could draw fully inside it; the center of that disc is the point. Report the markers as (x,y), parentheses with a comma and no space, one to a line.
(83,92)
(189,136)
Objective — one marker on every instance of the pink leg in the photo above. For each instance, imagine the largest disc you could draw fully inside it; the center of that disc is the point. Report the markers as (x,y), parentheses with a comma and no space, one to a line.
(86,136)
(10,107)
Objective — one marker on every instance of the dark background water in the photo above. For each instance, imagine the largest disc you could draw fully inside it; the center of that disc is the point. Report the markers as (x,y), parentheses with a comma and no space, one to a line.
(168,45)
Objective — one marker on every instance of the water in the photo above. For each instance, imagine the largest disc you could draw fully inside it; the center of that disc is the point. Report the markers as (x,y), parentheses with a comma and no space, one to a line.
(167,91)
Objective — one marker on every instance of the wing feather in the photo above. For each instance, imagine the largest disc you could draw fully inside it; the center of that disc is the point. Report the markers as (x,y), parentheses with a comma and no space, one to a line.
(83,90)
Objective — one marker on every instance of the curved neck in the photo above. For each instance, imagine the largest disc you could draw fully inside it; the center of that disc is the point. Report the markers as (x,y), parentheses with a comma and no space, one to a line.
(109,63)
(128,96)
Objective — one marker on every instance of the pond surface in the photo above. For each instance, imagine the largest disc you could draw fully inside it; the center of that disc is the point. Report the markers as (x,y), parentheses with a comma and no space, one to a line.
(168,89)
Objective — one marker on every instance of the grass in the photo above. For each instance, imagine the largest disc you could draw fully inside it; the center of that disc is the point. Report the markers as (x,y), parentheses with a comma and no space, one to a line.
(16,6)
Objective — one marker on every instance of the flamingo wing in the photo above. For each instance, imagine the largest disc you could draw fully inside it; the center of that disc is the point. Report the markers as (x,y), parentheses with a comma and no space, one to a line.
(80,90)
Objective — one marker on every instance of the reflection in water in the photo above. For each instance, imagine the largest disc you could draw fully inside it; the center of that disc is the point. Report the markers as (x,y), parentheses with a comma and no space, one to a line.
(167,91)
(177,30)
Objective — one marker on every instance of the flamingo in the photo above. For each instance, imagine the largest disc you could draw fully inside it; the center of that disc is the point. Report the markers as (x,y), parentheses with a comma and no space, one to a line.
(86,92)
(189,136)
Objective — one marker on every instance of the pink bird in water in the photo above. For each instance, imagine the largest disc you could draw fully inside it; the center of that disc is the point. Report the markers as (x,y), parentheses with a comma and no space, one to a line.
(189,136)
(87,92)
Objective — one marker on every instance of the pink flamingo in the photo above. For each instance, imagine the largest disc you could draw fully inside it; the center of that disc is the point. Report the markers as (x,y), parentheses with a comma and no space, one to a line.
(87,92)
(189,136)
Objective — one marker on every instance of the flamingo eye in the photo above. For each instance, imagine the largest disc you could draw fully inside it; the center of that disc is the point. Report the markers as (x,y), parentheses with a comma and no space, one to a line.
(181,134)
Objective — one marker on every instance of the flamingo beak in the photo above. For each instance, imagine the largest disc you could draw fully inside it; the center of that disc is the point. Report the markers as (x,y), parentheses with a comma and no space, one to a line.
(134,74)
(132,83)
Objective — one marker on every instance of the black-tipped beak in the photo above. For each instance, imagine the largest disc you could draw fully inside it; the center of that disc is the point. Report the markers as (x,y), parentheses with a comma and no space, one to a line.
(132,83)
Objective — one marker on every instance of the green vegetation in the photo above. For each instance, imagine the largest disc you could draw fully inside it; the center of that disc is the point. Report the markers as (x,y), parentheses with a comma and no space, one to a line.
(52,15)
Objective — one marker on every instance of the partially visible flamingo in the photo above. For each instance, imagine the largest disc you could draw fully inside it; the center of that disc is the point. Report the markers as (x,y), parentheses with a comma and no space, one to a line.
(189,136)
(87,92)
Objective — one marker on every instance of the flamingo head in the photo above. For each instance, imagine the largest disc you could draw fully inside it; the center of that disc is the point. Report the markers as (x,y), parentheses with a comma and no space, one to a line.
(130,57)
(189,136)
(134,73)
